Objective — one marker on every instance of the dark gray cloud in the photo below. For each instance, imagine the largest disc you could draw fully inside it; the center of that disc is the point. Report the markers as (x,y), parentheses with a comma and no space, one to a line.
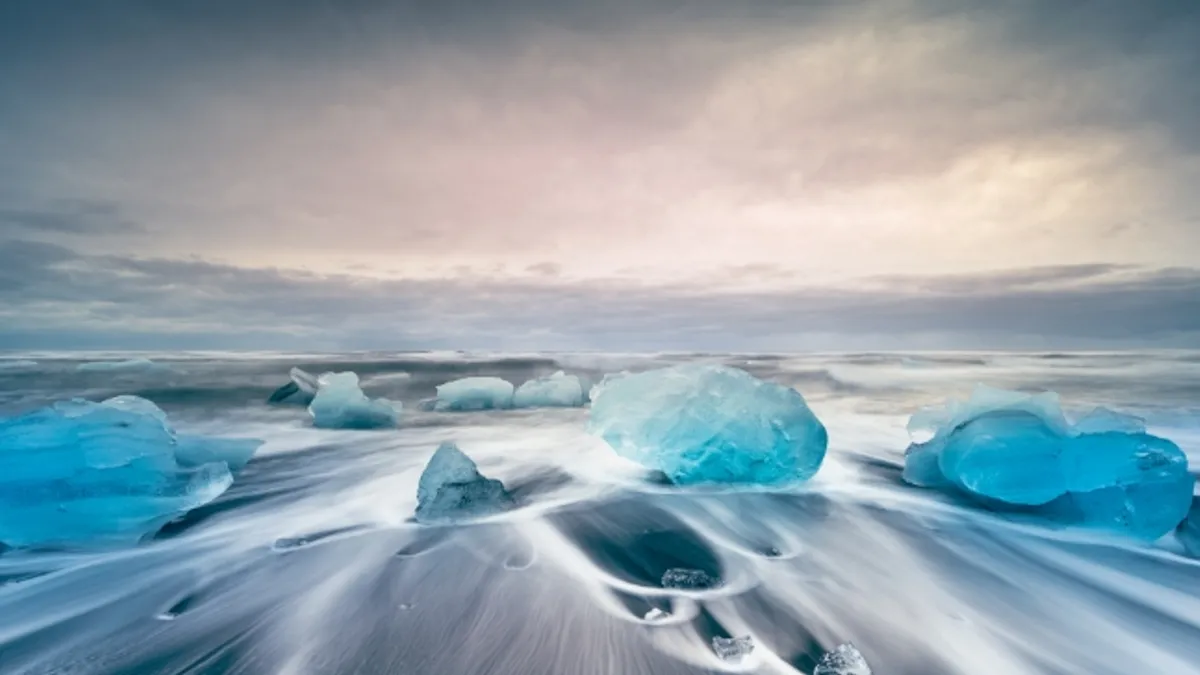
(66,216)
(87,301)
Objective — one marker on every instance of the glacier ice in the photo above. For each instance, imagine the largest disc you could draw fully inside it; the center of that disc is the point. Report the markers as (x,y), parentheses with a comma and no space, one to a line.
(81,473)
(301,388)
(452,488)
(688,579)
(709,424)
(340,404)
(1009,449)
(733,649)
(474,393)
(127,366)
(556,391)
(844,660)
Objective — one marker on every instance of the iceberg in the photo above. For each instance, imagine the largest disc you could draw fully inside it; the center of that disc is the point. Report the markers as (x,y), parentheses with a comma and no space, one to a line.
(709,424)
(301,389)
(556,391)
(452,488)
(1017,451)
(474,393)
(733,650)
(845,660)
(81,473)
(340,404)
(127,366)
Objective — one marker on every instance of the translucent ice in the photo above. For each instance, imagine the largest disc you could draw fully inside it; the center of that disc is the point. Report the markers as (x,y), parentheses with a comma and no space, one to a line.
(845,660)
(686,579)
(1008,448)
(81,473)
(451,488)
(557,391)
(341,404)
(474,393)
(301,389)
(709,424)
(733,650)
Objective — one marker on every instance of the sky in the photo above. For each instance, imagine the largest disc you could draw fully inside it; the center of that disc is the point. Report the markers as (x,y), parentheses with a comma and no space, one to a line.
(753,175)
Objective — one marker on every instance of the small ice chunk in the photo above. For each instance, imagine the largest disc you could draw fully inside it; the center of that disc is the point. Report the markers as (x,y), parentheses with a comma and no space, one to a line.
(474,393)
(81,473)
(1019,450)
(341,404)
(451,488)
(709,424)
(845,660)
(301,389)
(655,614)
(127,366)
(688,579)
(556,391)
(733,650)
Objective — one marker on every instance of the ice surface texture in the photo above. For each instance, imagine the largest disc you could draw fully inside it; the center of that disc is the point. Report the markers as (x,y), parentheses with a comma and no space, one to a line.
(451,488)
(341,404)
(81,473)
(709,424)
(557,391)
(474,393)
(1016,450)
(845,660)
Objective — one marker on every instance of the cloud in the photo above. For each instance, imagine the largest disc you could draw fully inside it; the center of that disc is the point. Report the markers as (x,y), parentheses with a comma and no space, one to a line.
(67,216)
(119,301)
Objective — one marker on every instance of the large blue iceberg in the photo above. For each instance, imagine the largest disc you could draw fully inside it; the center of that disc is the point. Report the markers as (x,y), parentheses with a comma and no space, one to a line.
(451,488)
(556,391)
(81,473)
(474,393)
(1017,451)
(340,404)
(709,424)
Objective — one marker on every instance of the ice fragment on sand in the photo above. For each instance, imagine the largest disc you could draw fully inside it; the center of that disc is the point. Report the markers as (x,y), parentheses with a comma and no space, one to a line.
(655,614)
(451,487)
(341,404)
(733,649)
(301,389)
(127,366)
(81,473)
(685,579)
(556,391)
(1013,450)
(845,660)
(709,424)
(474,393)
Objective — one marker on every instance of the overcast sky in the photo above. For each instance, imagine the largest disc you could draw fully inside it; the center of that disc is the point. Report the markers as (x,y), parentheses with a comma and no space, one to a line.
(600,174)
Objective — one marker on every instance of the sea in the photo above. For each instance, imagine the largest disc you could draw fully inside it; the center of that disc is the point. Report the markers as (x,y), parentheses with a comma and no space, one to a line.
(312,563)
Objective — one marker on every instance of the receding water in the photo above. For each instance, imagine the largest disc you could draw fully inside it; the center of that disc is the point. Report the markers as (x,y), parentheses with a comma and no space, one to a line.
(311,564)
